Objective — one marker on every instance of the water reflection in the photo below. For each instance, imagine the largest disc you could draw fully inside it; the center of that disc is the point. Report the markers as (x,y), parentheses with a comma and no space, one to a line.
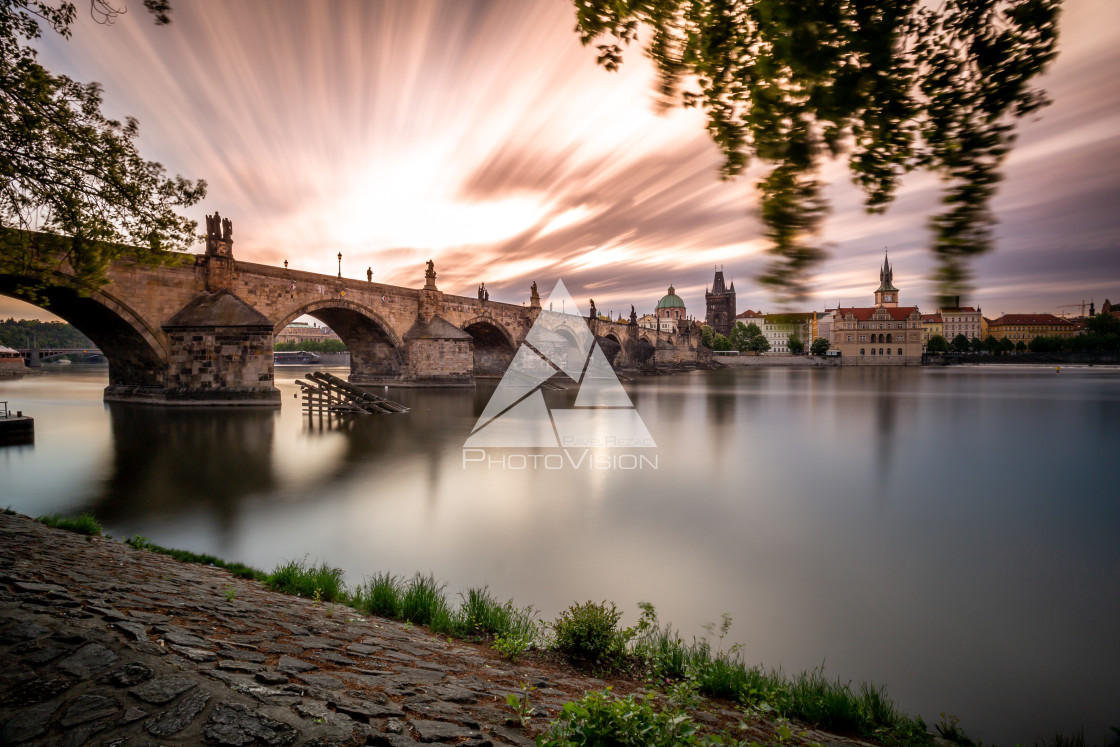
(169,460)
(950,533)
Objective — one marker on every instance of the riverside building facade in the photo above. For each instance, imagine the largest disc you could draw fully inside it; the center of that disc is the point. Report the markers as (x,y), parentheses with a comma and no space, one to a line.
(883,334)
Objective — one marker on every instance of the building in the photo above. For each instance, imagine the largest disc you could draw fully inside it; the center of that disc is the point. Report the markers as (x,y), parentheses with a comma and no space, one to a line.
(883,334)
(749,317)
(778,327)
(1108,308)
(822,327)
(962,320)
(1025,327)
(303,332)
(720,303)
(670,311)
(649,321)
(932,325)
(11,362)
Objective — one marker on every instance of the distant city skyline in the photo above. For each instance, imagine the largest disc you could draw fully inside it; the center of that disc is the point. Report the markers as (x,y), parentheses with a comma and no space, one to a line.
(482,135)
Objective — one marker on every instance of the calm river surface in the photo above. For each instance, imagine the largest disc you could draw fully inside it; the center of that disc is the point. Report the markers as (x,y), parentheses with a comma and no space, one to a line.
(952,533)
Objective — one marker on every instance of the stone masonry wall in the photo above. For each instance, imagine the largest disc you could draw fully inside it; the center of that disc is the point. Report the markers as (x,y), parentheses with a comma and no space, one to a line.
(236,358)
(440,361)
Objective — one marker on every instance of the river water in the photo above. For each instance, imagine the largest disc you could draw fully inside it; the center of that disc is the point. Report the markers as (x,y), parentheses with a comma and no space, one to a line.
(953,533)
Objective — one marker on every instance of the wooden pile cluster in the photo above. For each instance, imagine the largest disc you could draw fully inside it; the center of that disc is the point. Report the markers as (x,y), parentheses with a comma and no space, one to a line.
(328,393)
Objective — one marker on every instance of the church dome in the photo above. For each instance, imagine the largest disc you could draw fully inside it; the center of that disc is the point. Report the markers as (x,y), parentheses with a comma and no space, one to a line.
(671,301)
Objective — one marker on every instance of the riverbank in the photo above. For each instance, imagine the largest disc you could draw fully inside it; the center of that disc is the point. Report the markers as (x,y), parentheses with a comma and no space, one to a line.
(781,361)
(103,640)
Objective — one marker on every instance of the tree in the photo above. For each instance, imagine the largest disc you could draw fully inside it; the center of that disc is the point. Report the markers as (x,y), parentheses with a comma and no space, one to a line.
(937,344)
(820,346)
(795,345)
(991,344)
(896,85)
(1103,324)
(741,335)
(976,345)
(1048,344)
(758,344)
(720,342)
(1020,347)
(959,344)
(66,169)
(1005,345)
(706,336)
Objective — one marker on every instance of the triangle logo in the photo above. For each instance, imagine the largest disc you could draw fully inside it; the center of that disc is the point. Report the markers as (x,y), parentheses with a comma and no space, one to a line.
(559,341)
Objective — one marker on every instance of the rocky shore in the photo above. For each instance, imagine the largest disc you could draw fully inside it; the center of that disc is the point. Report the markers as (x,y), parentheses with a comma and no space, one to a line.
(104,644)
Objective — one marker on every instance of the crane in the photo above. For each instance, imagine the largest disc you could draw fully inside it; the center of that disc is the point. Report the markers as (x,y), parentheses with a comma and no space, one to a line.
(1074,306)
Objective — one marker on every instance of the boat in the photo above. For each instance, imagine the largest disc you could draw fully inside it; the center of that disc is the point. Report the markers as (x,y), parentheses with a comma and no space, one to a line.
(294,357)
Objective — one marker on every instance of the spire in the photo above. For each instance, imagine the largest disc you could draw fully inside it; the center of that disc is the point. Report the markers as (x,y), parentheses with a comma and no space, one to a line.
(886,275)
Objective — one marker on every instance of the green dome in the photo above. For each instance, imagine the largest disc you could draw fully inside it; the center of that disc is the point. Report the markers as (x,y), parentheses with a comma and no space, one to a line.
(671,301)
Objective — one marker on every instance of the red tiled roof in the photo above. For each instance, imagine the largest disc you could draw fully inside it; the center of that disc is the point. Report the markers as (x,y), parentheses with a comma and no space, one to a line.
(960,309)
(897,313)
(935,318)
(747,313)
(1025,319)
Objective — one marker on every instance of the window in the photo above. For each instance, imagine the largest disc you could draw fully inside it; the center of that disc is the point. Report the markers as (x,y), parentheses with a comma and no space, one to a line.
(900,351)
(861,351)
(888,338)
(873,351)
(888,351)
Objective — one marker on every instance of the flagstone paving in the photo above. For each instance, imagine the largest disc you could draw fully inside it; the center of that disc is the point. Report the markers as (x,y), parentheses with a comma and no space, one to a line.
(107,645)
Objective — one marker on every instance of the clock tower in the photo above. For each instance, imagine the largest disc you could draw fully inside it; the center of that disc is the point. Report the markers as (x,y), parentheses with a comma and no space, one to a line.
(887,294)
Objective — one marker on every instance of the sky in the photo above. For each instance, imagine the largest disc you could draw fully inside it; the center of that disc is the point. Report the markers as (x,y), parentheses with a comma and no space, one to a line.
(484,136)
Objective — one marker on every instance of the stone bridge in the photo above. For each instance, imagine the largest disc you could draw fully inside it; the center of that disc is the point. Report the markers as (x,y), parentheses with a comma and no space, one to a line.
(202,330)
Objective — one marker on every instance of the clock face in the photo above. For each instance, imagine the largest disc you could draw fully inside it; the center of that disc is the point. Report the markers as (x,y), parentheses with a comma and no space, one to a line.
(888,296)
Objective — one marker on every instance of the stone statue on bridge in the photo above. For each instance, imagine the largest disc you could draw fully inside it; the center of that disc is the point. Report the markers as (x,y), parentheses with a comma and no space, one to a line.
(430,276)
(534,296)
(369,274)
(633,316)
(594,313)
(483,294)
(219,235)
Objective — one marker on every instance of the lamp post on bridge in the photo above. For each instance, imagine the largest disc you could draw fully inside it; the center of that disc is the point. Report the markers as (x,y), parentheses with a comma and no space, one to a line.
(340,264)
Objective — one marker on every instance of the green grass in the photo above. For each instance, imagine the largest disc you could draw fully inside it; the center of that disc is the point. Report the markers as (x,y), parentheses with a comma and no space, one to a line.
(82,524)
(238,569)
(678,668)
(300,578)
(380,595)
(423,602)
(864,710)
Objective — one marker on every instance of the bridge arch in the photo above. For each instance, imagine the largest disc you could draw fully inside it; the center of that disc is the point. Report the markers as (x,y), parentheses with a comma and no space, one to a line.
(611,346)
(376,350)
(136,352)
(641,351)
(494,345)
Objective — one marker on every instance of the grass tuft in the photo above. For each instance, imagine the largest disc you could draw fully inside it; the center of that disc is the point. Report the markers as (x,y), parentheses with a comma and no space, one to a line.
(423,601)
(237,569)
(380,595)
(300,578)
(82,524)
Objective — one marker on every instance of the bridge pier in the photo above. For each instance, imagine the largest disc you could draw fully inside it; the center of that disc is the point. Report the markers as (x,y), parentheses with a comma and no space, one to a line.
(219,353)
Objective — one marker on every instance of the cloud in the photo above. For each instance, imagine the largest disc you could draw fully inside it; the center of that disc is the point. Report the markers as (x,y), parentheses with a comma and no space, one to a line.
(484,136)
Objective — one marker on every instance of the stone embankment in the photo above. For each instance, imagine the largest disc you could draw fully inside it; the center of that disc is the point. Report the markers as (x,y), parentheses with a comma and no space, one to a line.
(792,361)
(107,645)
